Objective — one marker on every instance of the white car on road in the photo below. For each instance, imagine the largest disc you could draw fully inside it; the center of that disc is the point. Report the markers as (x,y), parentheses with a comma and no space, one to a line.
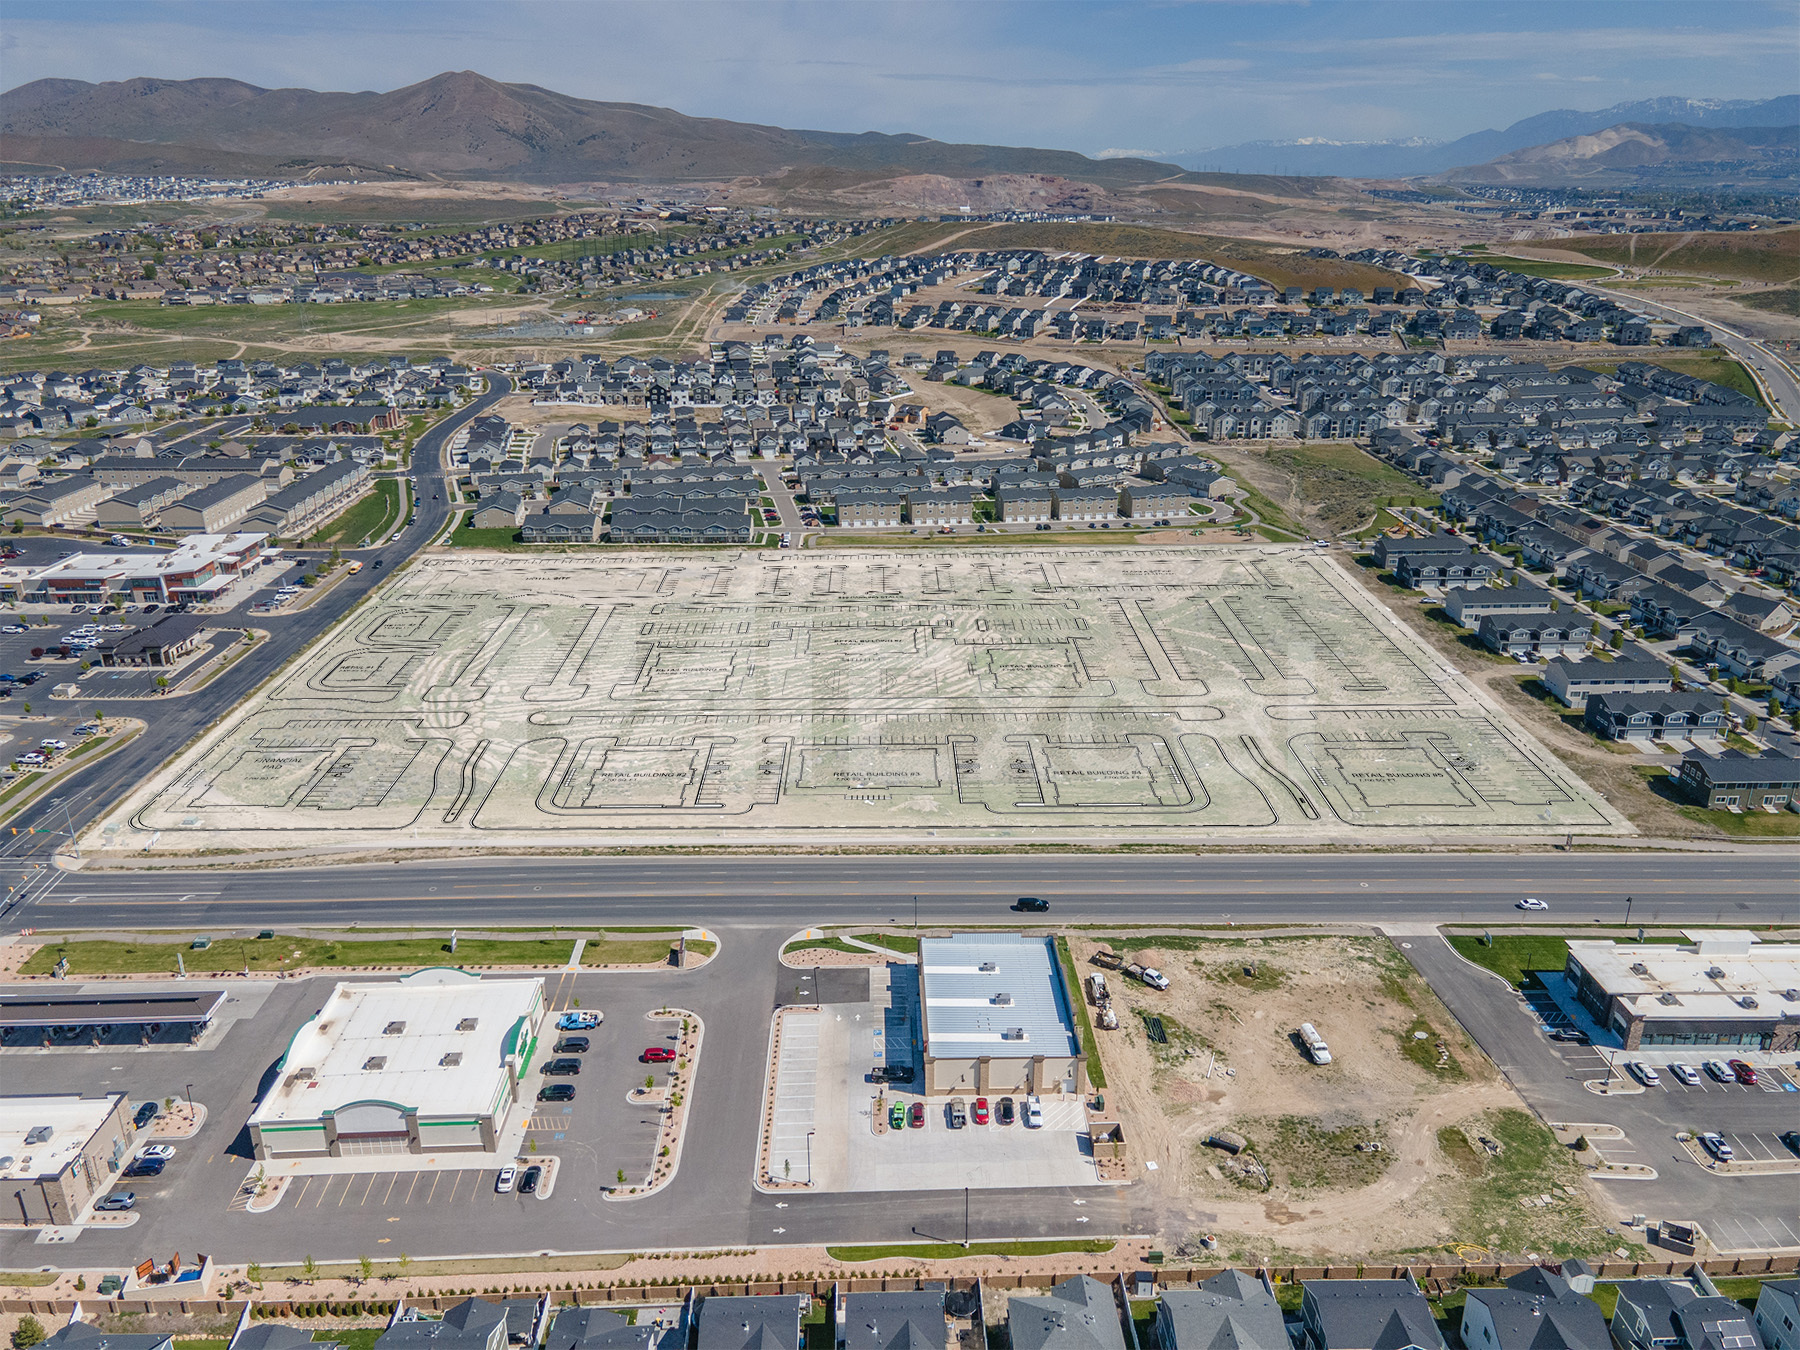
(1531,902)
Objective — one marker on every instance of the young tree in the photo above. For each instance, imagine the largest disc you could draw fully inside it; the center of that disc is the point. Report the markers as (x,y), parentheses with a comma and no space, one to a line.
(309,1268)
(29,1332)
(365,1267)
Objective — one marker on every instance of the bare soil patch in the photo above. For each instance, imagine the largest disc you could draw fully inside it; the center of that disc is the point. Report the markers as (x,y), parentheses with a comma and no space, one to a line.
(1342,1152)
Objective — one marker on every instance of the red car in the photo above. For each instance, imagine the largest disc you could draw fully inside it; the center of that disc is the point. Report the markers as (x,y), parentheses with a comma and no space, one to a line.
(916,1116)
(981,1111)
(658,1054)
(1746,1073)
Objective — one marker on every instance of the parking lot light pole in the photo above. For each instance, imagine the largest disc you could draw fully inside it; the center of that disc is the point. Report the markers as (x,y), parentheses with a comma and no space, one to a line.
(1628,911)
(809,1135)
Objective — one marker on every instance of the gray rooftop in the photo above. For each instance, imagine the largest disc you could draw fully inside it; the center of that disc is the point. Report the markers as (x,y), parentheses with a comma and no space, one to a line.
(895,1321)
(89,1337)
(473,1324)
(1538,1311)
(962,977)
(1078,1314)
(1369,1315)
(1231,1311)
(596,1329)
(750,1322)
(274,1336)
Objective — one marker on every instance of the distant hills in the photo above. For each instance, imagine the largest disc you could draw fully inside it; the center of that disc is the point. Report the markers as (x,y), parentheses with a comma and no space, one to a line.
(1415,157)
(1638,151)
(464,125)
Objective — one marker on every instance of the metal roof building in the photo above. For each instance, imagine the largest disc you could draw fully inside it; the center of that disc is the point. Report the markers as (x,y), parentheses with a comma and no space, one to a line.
(431,1062)
(997,1017)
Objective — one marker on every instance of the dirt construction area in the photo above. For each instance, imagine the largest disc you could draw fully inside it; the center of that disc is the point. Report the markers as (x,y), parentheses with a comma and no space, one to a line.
(1408,1141)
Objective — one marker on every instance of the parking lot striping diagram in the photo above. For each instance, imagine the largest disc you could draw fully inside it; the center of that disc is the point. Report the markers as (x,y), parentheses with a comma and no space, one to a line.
(1204,694)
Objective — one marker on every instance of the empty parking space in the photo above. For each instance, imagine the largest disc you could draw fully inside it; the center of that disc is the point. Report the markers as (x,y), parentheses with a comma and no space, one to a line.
(393,1191)
(1757,1146)
(1751,1232)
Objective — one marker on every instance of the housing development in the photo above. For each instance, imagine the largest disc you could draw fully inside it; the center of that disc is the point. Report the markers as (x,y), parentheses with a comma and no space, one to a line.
(635,732)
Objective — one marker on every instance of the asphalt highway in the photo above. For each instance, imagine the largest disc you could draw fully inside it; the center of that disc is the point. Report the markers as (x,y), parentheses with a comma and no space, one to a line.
(1752,888)
(173,722)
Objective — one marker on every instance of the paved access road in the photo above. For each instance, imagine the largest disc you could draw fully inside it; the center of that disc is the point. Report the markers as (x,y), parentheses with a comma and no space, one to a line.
(173,722)
(1666,887)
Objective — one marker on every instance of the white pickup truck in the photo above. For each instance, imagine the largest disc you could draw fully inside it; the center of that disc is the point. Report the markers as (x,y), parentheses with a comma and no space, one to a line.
(1316,1049)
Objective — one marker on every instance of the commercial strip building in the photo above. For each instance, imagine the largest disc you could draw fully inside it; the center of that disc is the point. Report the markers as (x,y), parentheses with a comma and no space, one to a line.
(58,1153)
(27,1019)
(431,1062)
(195,571)
(996,1017)
(1720,988)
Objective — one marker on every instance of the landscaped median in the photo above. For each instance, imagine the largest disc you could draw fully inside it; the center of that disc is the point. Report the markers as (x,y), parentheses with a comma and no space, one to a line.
(280,954)
(816,947)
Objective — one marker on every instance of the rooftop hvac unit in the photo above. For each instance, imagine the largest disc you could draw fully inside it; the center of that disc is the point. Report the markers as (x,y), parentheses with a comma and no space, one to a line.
(988,967)
(467,1024)
(305,1075)
(375,1062)
(1002,1000)
(1715,972)
(1639,968)
(1668,1000)
(1013,1034)
(1746,1002)
(393,1029)
(451,1059)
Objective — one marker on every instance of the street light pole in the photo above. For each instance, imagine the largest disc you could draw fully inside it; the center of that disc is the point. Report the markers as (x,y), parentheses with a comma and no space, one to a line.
(809,1135)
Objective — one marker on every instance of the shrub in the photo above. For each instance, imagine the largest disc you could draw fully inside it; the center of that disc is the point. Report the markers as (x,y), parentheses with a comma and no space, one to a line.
(29,1332)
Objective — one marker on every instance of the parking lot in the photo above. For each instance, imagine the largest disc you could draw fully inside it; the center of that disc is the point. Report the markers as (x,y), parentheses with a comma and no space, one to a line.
(1739,1212)
(831,1122)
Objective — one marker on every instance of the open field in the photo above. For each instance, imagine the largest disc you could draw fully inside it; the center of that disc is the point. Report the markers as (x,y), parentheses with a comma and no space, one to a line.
(1274,264)
(1402,1076)
(1784,300)
(1189,694)
(1555,271)
(367,518)
(1757,255)
(1335,487)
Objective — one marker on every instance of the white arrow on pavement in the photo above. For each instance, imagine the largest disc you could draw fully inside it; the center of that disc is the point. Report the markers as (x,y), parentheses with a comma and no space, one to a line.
(778,1230)
(1081,1202)
(1081,1219)
(781,1204)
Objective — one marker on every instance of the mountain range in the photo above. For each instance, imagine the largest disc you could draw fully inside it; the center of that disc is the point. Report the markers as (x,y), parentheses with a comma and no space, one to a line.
(1415,157)
(1636,152)
(464,125)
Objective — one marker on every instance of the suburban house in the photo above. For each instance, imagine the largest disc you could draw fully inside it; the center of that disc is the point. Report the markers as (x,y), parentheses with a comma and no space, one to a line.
(1368,1315)
(576,1328)
(940,506)
(897,1320)
(1095,503)
(1030,505)
(1537,1310)
(1468,605)
(211,509)
(473,1324)
(85,1336)
(1443,568)
(1778,1314)
(750,1322)
(1635,671)
(1670,1315)
(871,508)
(502,511)
(1734,781)
(1231,1311)
(1153,501)
(1655,717)
(1542,634)
(1078,1314)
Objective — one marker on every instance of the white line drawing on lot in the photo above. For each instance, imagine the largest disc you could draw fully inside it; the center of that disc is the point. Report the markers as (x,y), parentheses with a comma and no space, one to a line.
(1199,693)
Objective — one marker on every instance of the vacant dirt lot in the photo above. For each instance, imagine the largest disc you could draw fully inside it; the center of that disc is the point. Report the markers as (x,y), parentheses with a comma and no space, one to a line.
(1402,1077)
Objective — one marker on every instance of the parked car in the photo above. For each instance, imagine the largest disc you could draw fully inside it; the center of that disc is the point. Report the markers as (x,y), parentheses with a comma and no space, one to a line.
(958,1113)
(1685,1073)
(980,1113)
(916,1116)
(145,1167)
(1034,1114)
(557,1092)
(1792,1139)
(118,1200)
(1719,1070)
(657,1054)
(1006,1114)
(1641,1071)
(1531,901)
(503,1183)
(164,1151)
(572,1045)
(897,1116)
(563,1068)
(1716,1145)
(146,1113)
(1570,1035)
(578,1021)
(1030,904)
(1744,1073)
(528,1183)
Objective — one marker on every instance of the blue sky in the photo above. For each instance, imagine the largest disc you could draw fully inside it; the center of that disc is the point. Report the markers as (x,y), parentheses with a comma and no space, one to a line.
(1158,77)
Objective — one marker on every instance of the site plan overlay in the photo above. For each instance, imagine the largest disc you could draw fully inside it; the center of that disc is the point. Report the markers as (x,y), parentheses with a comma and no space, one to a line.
(1205,694)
